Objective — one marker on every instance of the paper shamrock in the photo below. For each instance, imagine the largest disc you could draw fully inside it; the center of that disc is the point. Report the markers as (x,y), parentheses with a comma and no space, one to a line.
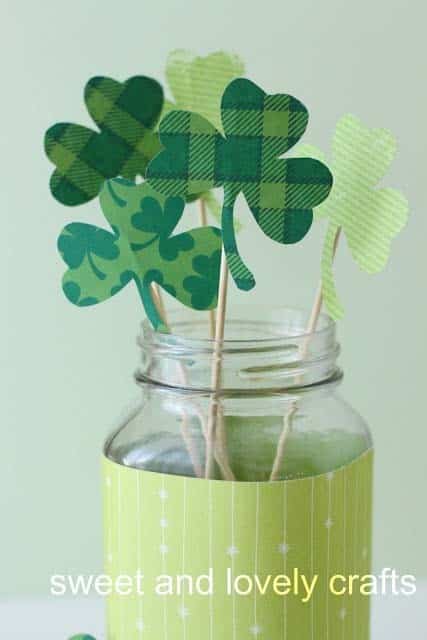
(258,129)
(197,84)
(82,636)
(369,217)
(126,114)
(141,248)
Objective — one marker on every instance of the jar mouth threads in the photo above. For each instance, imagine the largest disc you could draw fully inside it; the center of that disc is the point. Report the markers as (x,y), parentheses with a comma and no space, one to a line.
(262,350)
(245,326)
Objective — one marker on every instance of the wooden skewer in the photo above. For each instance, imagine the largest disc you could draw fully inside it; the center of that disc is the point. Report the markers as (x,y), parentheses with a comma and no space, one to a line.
(186,435)
(189,442)
(311,328)
(317,305)
(158,301)
(220,448)
(204,222)
(216,371)
(280,452)
(221,454)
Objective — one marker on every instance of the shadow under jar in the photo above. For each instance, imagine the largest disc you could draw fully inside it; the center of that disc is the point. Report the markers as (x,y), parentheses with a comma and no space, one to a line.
(269,476)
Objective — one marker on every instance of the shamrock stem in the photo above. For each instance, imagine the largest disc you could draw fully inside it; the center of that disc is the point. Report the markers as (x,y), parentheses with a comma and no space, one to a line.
(139,247)
(303,351)
(149,306)
(99,274)
(240,273)
(118,201)
(204,222)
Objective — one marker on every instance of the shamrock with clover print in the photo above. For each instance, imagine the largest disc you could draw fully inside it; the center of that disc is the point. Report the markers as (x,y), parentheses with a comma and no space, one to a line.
(126,114)
(369,217)
(141,248)
(258,129)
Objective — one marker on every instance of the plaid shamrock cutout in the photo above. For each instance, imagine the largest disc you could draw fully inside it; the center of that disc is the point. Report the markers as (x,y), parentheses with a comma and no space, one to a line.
(258,129)
(142,249)
(126,114)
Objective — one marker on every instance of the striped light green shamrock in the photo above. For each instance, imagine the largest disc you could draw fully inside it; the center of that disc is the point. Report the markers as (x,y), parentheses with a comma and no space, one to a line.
(368,216)
(142,249)
(258,129)
(126,114)
(197,84)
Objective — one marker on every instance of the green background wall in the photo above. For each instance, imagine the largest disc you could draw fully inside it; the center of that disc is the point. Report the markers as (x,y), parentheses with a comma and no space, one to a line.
(66,373)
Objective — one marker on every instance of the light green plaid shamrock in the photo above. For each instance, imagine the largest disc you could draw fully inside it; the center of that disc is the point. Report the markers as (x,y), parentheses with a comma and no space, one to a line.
(369,217)
(140,249)
(258,129)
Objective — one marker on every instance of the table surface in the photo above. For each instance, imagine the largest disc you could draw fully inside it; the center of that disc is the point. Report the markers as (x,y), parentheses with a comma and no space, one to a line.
(393,617)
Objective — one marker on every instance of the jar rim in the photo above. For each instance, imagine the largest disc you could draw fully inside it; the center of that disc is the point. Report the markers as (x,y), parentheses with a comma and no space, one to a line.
(261,350)
(294,320)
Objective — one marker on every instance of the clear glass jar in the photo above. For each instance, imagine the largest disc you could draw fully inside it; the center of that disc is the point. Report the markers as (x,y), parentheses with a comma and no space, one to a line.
(280,415)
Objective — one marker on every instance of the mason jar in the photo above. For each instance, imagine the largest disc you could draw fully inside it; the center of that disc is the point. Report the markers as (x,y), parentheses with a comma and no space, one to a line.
(240,511)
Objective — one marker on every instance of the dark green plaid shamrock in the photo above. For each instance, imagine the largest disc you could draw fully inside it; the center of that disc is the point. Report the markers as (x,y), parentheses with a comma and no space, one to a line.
(142,249)
(126,114)
(258,129)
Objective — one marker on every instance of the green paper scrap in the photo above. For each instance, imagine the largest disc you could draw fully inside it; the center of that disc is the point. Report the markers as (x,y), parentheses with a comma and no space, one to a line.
(126,114)
(258,129)
(214,208)
(142,249)
(83,636)
(369,217)
(197,84)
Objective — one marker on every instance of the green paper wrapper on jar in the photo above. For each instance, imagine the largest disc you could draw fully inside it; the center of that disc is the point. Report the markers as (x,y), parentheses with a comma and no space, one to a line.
(252,550)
